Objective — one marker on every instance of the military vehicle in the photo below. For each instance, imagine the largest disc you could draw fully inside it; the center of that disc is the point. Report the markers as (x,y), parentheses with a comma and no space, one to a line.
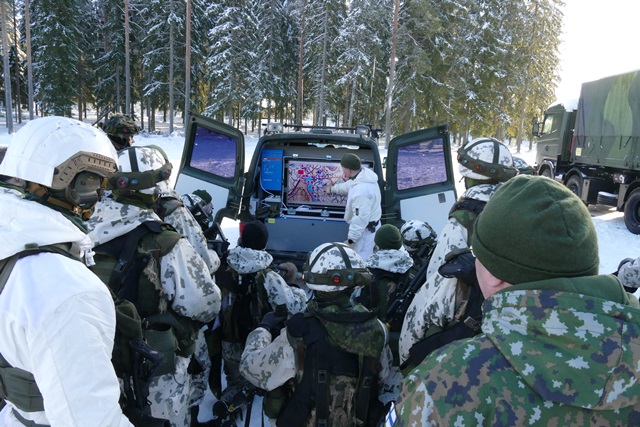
(291,165)
(594,147)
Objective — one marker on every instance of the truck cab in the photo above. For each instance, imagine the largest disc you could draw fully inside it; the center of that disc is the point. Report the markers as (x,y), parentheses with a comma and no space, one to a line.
(554,138)
(283,183)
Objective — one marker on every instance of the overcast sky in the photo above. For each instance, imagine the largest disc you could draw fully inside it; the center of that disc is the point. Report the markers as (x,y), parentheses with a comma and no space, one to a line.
(600,39)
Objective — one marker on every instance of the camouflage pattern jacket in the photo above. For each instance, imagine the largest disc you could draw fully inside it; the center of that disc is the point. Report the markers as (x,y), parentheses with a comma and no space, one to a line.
(184,283)
(395,261)
(438,301)
(269,363)
(183,221)
(629,274)
(247,260)
(555,352)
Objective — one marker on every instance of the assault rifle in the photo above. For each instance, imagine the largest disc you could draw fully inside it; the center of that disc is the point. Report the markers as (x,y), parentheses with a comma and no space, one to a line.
(217,240)
(404,294)
(145,361)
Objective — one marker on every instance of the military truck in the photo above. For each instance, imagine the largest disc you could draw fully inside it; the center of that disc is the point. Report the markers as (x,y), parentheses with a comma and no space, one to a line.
(594,147)
(283,183)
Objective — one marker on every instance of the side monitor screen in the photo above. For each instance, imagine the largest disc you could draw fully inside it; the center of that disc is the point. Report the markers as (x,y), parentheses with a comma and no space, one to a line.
(307,180)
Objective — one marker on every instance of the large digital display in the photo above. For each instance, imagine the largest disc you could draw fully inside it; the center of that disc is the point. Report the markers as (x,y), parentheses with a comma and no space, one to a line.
(307,180)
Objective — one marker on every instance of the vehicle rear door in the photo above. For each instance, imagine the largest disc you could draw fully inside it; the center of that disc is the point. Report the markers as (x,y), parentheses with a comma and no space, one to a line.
(213,160)
(419,178)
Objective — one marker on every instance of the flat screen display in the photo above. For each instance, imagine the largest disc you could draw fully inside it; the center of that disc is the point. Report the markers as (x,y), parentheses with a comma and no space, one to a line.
(307,180)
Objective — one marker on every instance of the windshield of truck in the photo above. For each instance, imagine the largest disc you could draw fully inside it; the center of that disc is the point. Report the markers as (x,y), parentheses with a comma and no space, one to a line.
(552,123)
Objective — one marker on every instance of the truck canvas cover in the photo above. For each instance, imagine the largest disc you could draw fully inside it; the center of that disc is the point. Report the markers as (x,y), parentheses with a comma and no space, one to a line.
(608,122)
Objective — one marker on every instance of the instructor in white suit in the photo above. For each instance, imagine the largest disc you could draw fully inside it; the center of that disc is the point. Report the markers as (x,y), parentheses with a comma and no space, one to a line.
(363,210)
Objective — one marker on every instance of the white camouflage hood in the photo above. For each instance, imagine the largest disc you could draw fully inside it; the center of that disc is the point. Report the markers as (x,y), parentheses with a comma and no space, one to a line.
(111,219)
(26,222)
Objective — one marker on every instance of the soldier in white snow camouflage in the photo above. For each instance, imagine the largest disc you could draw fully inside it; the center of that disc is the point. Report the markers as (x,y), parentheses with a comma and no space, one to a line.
(387,264)
(347,338)
(249,290)
(484,163)
(182,280)
(173,211)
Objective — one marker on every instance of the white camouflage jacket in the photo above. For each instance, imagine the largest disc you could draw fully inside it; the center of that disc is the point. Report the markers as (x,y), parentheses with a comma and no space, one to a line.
(54,312)
(247,260)
(363,201)
(186,286)
(183,221)
(437,301)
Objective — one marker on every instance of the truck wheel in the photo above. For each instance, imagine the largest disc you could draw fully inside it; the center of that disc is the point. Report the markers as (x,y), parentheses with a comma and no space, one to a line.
(546,172)
(632,212)
(574,183)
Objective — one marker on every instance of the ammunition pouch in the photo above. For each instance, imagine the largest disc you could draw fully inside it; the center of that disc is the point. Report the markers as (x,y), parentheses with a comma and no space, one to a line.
(19,387)
(171,335)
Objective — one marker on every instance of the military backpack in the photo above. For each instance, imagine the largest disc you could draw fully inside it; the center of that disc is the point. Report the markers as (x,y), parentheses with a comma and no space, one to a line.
(337,357)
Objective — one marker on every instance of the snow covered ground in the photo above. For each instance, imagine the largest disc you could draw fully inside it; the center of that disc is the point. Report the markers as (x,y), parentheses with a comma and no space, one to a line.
(615,241)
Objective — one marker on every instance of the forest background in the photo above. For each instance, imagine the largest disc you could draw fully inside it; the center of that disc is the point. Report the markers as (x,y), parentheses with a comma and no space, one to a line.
(484,67)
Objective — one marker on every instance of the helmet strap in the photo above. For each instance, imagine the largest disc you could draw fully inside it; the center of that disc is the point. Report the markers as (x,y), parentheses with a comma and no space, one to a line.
(43,195)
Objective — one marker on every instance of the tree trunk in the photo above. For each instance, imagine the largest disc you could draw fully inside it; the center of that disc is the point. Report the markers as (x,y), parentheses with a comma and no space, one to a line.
(187,61)
(392,74)
(300,97)
(171,41)
(127,63)
(27,25)
(7,70)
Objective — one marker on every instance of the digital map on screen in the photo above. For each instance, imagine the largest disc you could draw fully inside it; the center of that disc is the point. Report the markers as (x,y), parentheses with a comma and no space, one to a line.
(307,180)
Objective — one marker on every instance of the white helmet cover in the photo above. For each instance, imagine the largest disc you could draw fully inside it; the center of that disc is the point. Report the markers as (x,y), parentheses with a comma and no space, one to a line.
(52,150)
(494,160)
(142,168)
(327,262)
(417,233)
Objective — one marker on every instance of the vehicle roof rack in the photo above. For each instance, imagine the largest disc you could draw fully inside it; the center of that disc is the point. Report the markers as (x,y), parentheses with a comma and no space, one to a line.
(362,130)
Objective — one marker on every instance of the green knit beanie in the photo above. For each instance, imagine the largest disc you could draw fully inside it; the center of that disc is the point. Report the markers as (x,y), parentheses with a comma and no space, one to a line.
(533,228)
(388,237)
(351,161)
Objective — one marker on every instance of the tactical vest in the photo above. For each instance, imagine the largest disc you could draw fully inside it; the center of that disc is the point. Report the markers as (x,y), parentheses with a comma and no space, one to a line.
(126,264)
(249,303)
(337,357)
(17,385)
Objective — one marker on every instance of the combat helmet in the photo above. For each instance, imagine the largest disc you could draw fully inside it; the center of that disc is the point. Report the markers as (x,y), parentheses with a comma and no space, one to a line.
(334,267)
(63,160)
(141,169)
(486,159)
(416,234)
(120,128)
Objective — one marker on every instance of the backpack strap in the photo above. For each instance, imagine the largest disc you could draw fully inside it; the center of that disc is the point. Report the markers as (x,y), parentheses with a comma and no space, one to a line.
(17,385)
(366,381)
(468,326)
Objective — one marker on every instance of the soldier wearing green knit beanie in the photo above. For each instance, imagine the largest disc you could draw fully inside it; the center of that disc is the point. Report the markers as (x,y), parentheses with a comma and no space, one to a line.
(558,342)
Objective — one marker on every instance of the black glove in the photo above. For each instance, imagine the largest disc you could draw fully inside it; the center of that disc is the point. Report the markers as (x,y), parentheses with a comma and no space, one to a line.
(273,322)
(461,264)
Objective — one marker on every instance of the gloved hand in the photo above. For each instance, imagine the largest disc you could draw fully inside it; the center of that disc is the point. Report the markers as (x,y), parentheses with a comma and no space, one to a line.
(623,262)
(273,322)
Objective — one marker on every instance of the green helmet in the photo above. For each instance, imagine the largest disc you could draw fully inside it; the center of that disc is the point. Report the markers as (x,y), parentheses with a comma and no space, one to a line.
(120,125)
